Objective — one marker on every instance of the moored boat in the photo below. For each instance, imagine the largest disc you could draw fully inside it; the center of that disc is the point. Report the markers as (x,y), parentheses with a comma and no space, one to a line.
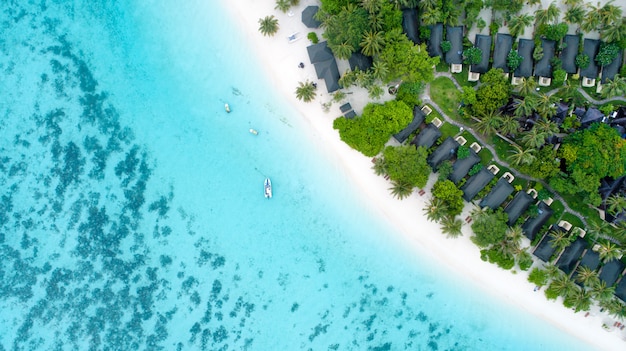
(254,131)
(268,188)
(227,108)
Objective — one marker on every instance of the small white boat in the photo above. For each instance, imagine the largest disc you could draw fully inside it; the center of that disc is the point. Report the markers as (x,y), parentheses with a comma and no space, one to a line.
(254,131)
(227,108)
(268,188)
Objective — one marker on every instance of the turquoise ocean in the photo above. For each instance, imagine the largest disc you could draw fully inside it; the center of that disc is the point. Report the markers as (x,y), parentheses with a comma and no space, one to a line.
(132,214)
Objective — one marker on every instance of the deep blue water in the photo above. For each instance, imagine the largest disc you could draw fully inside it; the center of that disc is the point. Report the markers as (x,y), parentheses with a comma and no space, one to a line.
(132,213)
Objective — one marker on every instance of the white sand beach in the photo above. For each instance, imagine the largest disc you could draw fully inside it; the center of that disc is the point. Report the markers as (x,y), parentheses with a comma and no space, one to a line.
(281,59)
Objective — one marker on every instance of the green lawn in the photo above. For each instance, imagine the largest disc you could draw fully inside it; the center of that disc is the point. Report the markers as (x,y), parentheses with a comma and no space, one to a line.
(573,219)
(445,94)
(590,214)
(502,147)
(448,129)
(558,208)
(432,115)
(461,78)
(442,66)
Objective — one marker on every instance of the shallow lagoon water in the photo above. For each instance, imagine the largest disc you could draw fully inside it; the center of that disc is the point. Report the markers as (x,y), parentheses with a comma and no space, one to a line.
(133,214)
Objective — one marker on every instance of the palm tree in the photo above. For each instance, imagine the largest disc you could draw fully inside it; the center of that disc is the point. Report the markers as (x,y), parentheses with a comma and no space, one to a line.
(435,210)
(575,15)
(598,229)
(601,292)
(563,286)
(526,86)
(380,166)
(371,6)
(343,50)
(509,126)
(533,139)
(586,276)
(609,251)
(268,26)
(377,21)
(477,213)
(545,16)
(546,105)
(593,19)
(609,13)
(526,106)
(430,17)
(372,43)
(521,156)
(533,2)
(306,91)
(614,32)
(615,203)
(451,226)
(380,70)
(615,307)
(579,299)
(401,189)
(553,271)
(559,239)
(517,24)
(489,123)
(614,87)
(572,3)
(546,127)
(282,5)
(426,5)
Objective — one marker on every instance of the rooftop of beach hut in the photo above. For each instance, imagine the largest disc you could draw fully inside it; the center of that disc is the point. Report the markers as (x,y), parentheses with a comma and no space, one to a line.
(308,17)
(611,271)
(418,119)
(545,249)
(520,203)
(329,72)
(462,166)
(476,183)
(525,48)
(612,69)
(591,260)
(620,289)
(592,115)
(543,67)
(427,137)
(498,194)
(571,255)
(455,36)
(443,152)
(483,42)
(504,43)
(319,52)
(590,48)
(360,61)
(568,54)
(410,24)
(532,225)
(434,43)
(345,107)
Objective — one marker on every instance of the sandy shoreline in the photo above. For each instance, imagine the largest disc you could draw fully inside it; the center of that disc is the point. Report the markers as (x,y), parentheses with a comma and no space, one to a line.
(281,60)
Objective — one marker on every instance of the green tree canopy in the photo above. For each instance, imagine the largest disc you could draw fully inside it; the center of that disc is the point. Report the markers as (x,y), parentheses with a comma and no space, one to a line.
(407,164)
(369,133)
(451,196)
(490,228)
(405,60)
(493,92)
(346,28)
(472,55)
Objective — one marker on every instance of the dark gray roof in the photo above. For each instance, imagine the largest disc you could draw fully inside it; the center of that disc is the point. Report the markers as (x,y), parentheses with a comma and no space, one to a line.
(329,72)
(319,52)
(545,250)
(462,166)
(568,55)
(360,61)
(476,183)
(444,152)
(543,68)
(436,36)
(504,43)
(609,71)
(498,194)
(345,107)
(427,136)
(532,225)
(418,119)
(517,206)
(620,289)
(590,48)
(611,271)
(591,260)
(591,116)
(483,42)
(410,25)
(350,114)
(525,49)
(571,255)
(308,17)
(455,36)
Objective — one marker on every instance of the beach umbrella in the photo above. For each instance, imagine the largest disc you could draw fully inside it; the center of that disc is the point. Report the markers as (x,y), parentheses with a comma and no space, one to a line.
(308,17)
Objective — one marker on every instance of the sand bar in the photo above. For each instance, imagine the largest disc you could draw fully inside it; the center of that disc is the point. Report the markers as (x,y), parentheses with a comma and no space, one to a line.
(281,57)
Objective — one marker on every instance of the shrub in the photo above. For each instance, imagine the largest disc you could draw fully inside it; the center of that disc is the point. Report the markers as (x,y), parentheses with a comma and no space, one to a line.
(494,256)
(424,33)
(558,77)
(462,152)
(513,60)
(312,36)
(475,169)
(607,109)
(582,61)
(538,277)
(409,93)
(607,53)
(472,55)
(446,46)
